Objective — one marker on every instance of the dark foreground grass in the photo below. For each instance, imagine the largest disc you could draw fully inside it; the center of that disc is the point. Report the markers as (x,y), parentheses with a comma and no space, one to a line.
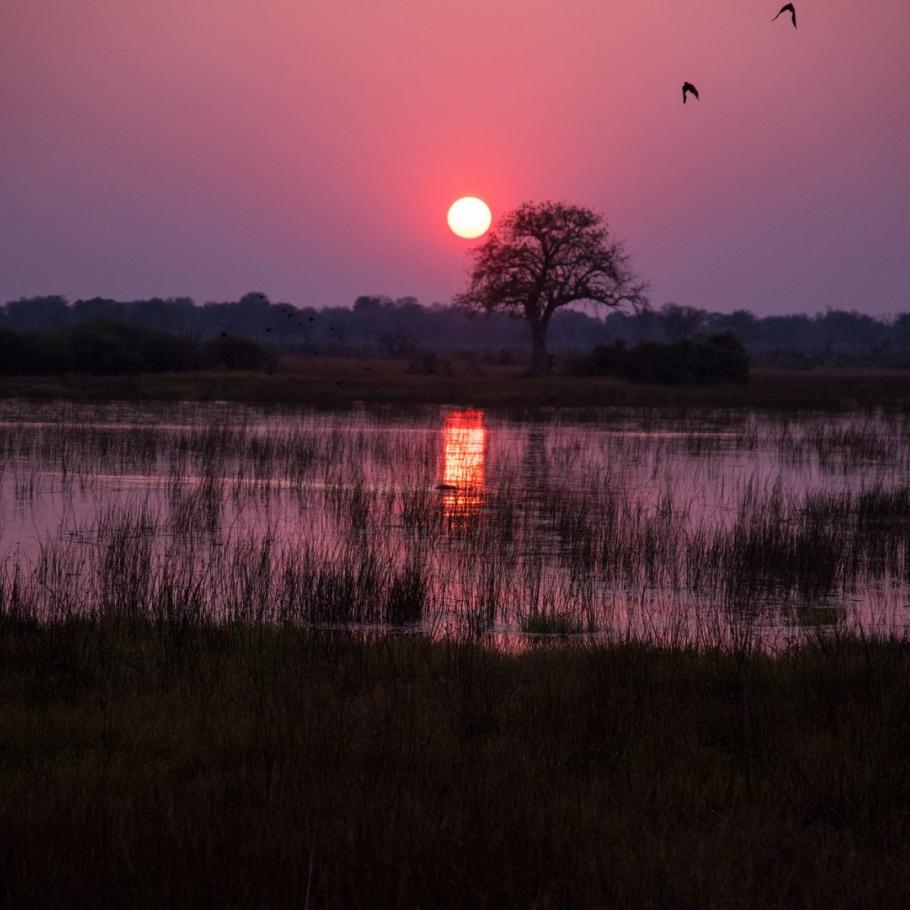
(182,765)
(327,383)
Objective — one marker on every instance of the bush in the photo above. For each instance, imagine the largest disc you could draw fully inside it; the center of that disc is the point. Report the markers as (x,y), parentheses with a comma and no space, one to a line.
(99,348)
(30,353)
(429,363)
(234,352)
(703,360)
(115,348)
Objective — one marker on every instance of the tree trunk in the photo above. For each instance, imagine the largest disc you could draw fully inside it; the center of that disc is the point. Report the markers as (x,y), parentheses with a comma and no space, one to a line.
(540,359)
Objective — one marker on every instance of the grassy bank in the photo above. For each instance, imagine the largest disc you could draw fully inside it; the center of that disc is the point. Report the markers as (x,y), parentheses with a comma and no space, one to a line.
(174,763)
(339,383)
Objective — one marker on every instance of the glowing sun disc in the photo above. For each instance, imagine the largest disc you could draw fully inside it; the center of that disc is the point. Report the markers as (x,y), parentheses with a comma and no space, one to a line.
(470,217)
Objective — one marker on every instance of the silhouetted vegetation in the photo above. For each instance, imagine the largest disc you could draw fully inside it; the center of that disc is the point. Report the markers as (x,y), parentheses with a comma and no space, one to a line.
(235,352)
(171,762)
(340,383)
(541,258)
(703,360)
(106,348)
(378,326)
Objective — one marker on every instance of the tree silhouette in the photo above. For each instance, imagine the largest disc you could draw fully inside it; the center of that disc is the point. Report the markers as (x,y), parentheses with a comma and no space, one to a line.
(543,256)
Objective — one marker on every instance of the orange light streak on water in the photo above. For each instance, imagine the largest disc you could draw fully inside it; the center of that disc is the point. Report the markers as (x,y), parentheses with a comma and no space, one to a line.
(464,464)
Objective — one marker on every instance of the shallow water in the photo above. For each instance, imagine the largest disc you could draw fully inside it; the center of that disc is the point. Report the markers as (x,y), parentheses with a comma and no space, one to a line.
(701,528)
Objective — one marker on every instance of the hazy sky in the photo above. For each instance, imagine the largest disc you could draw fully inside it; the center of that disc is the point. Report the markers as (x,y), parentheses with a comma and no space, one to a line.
(310,148)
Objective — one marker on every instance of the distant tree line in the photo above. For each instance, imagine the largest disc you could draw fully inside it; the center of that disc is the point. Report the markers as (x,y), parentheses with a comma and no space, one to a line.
(380,326)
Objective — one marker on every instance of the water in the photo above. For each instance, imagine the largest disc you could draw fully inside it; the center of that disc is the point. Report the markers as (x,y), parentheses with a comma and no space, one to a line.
(699,528)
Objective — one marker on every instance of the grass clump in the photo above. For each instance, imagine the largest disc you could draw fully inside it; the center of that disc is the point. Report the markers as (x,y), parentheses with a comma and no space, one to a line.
(554,622)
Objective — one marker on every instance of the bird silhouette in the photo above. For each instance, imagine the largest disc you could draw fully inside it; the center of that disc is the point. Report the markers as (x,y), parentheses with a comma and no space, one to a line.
(688,87)
(788,8)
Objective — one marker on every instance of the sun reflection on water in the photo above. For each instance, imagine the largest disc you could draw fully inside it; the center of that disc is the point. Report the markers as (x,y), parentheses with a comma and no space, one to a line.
(463,465)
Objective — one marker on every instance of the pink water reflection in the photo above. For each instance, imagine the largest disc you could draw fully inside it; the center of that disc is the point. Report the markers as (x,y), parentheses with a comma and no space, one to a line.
(636,527)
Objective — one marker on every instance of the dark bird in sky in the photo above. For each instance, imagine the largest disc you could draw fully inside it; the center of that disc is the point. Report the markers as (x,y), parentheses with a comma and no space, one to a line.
(788,8)
(269,329)
(688,87)
(339,382)
(312,319)
(224,334)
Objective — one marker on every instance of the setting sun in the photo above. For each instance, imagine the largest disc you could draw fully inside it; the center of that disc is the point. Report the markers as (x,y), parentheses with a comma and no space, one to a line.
(470,217)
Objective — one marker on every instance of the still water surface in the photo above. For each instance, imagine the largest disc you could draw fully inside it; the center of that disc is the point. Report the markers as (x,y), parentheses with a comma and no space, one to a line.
(699,528)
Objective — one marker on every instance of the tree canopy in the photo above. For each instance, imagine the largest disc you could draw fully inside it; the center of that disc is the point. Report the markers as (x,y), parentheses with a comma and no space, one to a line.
(543,256)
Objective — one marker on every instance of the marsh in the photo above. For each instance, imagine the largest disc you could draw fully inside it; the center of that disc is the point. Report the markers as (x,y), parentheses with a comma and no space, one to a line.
(612,522)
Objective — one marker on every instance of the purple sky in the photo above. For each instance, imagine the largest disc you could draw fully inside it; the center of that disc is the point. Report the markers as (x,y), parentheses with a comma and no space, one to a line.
(311,148)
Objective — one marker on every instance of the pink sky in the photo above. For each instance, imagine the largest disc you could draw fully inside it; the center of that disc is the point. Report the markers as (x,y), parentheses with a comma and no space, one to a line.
(310,148)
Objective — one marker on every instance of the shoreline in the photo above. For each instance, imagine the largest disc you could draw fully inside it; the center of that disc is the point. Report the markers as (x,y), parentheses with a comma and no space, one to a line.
(339,384)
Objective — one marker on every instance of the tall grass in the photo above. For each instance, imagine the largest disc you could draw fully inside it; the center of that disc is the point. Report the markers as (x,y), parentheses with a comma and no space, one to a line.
(169,760)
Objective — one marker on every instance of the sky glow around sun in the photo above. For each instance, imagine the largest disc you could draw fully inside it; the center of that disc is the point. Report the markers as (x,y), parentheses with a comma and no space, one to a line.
(221,146)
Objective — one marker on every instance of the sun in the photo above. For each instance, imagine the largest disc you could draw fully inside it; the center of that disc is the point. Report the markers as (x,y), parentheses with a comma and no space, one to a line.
(470,217)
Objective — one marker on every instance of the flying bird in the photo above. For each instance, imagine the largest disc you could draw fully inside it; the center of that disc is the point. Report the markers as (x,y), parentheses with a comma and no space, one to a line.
(788,8)
(688,87)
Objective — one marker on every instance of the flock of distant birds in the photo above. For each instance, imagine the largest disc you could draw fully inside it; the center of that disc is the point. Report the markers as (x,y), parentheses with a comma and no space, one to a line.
(299,321)
(689,89)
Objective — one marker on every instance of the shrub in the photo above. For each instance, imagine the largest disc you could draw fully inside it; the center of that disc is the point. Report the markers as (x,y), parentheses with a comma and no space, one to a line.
(234,352)
(429,363)
(99,348)
(116,348)
(702,360)
(29,353)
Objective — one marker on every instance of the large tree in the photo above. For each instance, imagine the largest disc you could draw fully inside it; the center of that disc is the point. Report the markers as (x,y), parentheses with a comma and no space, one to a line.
(544,256)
